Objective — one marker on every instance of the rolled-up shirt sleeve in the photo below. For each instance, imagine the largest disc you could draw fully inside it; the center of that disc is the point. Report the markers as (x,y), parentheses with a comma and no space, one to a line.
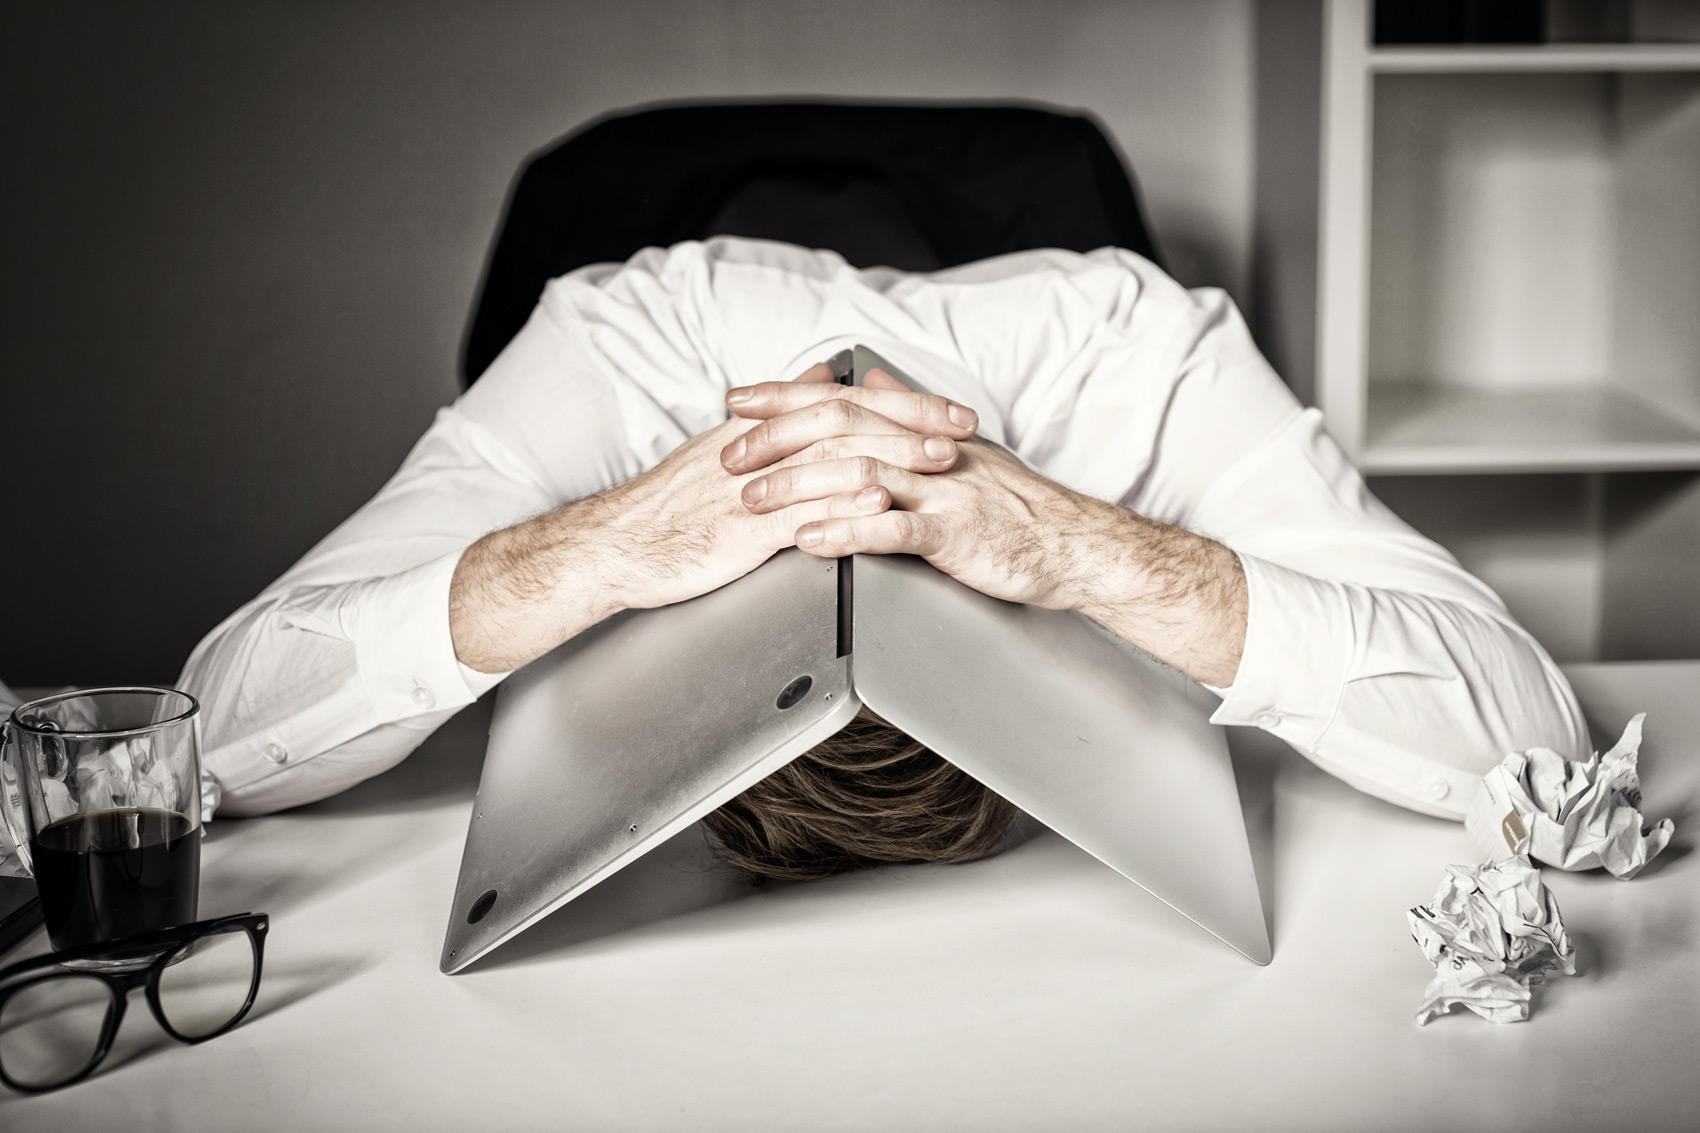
(1368,648)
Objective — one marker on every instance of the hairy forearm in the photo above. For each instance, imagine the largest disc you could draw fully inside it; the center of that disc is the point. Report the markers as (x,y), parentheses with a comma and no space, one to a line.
(519,592)
(1179,596)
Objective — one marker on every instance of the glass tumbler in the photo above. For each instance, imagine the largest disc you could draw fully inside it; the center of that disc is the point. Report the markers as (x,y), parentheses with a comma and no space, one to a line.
(102,796)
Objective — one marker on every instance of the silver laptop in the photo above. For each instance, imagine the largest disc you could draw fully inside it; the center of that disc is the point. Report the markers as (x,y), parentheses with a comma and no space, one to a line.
(605,748)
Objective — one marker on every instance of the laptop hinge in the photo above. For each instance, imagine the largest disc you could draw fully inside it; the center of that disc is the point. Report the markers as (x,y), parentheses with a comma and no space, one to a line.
(844,373)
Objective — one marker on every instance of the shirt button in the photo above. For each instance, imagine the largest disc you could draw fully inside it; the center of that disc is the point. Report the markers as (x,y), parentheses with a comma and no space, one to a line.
(1436,788)
(277,753)
(1267,719)
(423,698)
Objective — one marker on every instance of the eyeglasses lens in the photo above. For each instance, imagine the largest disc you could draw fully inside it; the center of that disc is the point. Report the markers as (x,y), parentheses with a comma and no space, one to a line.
(207,986)
(49,1030)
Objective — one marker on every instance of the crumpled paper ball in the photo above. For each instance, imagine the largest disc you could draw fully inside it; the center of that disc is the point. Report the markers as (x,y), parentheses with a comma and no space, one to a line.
(1492,932)
(1569,813)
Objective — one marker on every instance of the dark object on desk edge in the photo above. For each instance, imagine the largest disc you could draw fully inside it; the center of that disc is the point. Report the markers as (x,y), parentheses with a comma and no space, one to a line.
(20,911)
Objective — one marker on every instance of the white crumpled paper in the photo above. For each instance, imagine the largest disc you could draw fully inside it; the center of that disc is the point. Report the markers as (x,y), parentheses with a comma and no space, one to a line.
(1569,813)
(1492,932)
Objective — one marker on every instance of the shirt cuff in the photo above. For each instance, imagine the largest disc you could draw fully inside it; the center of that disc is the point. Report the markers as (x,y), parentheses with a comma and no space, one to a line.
(1298,647)
(212,793)
(402,646)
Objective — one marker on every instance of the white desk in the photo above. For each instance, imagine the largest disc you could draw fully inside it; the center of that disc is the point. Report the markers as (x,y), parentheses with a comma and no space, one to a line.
(1037,990)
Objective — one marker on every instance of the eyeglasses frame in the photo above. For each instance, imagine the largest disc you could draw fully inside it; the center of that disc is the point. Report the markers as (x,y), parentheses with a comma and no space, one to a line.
(120,984)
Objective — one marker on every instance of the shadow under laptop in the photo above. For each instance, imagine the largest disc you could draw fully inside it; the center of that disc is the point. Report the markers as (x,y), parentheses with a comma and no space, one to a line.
(682,887)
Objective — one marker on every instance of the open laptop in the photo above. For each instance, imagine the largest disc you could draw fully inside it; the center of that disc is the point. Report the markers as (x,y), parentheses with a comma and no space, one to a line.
(608,746)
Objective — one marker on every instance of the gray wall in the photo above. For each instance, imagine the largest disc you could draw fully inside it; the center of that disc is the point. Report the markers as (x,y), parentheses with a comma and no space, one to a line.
(241,241)
(1281,303)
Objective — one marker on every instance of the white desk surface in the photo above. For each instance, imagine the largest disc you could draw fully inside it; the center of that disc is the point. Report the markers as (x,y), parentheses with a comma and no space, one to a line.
(1037,990)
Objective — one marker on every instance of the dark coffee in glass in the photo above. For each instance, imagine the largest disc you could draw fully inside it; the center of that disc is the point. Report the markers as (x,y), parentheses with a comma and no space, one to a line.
(116,873)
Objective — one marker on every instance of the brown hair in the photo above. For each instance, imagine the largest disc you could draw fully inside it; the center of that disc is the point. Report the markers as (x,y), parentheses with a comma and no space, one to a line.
(870,795)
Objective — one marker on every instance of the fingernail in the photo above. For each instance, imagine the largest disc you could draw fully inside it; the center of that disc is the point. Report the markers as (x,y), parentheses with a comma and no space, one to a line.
(869,498)
(739,395)
(808,536)
(735,451)
(755,491)
(938,448)
(960,415)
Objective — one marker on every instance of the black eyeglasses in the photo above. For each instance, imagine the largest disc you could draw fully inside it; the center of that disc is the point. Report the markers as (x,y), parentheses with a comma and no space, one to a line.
(56,1026)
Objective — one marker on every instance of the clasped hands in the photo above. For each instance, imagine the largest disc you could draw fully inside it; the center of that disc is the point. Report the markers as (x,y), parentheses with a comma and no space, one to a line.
(838,470)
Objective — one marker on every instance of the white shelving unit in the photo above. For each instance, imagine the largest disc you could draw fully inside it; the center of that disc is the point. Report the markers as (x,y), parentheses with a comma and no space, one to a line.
(1510,254)
(1508,317)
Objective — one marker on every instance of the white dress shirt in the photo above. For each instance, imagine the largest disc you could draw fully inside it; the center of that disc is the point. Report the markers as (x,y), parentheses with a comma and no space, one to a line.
(1367,647)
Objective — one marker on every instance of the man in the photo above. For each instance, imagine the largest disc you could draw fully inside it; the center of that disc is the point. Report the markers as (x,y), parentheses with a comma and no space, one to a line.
(1097,439)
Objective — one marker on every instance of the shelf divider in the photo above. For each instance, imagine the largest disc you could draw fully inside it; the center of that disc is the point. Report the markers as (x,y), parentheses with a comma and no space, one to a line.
(1452,59)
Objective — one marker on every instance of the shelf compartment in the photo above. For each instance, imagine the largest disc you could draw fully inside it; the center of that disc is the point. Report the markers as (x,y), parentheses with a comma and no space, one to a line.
(1534,258)
(1428,429)
(1452,59)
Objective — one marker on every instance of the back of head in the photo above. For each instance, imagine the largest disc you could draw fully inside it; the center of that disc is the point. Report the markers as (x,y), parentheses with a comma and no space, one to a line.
(868,796)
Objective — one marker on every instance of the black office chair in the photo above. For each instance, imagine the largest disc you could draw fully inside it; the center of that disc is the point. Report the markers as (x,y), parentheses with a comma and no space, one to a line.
(912,187)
